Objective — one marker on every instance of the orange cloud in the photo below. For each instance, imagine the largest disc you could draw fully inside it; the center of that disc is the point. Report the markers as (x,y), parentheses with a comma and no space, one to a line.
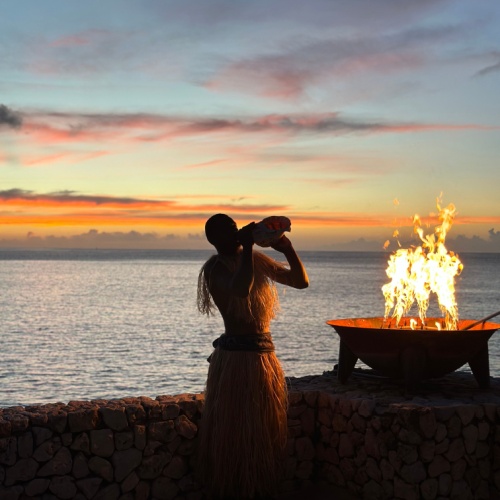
(92,219)
(21,207)
(67,208)
(97,219)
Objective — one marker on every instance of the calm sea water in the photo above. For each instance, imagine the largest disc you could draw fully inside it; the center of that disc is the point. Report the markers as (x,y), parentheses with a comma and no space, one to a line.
(106,324)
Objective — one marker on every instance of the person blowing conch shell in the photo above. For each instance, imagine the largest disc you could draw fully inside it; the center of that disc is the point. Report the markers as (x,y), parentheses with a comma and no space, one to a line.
(243,430)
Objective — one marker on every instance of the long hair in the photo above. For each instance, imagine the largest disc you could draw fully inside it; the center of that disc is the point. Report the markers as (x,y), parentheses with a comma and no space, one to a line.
(262,303)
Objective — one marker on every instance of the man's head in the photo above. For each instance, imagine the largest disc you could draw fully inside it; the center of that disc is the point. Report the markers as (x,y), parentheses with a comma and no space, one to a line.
(221,231)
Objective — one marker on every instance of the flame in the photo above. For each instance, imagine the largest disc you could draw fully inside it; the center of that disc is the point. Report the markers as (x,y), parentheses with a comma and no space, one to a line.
(417,272)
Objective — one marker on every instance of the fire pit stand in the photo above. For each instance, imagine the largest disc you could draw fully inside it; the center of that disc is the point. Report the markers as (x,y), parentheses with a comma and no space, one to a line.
(413,355)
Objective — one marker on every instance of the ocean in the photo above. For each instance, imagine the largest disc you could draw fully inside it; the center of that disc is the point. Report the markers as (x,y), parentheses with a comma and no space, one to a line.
(92,324)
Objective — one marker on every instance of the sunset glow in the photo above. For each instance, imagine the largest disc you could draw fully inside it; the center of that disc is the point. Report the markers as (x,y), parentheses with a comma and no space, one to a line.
(125,125)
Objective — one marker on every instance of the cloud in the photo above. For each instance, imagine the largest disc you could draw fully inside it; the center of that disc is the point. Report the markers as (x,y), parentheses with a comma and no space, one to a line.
(493,68)
(205,164)
(96,239)
(494,236)
(61,128)
(196,236)
(82,53)
(358,245)
(314,13)
(77,39)
(462,243)
(43,158)
(309,61)
(188,42)
(72,209)
(458,244)
(68,197)
(59,198)
(9,118)
(284,46)
(28,209)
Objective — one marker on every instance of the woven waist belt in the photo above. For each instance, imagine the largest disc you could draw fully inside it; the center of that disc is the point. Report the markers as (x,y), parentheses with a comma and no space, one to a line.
(253,342)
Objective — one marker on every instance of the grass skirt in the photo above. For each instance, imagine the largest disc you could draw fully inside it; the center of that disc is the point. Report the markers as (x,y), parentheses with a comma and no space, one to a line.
(244,425)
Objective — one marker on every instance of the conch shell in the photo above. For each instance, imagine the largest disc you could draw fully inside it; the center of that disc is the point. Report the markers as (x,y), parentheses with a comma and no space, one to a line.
(270,229)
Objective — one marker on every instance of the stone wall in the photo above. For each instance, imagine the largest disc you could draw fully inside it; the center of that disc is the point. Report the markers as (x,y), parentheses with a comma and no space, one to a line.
(367,436)
(443,442)
(131,448)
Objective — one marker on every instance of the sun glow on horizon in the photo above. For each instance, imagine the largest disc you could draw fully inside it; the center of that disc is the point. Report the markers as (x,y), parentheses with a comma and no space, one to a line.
(124,128)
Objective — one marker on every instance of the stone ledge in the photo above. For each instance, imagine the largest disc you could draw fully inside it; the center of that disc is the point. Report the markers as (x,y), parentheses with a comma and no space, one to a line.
(369,436)
(456,388)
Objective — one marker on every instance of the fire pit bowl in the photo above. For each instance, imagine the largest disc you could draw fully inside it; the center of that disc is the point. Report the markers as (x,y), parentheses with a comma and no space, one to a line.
(413,355)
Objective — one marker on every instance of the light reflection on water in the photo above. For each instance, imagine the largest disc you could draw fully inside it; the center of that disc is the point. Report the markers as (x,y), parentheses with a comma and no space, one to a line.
(127,324)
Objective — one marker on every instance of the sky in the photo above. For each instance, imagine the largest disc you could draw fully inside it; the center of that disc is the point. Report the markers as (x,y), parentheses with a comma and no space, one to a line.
(127,123)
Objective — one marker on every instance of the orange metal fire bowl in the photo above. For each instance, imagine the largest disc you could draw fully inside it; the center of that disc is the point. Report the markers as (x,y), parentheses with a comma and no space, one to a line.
(413,355)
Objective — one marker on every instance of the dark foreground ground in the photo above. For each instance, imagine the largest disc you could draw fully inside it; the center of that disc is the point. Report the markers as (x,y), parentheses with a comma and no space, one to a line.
(320,492)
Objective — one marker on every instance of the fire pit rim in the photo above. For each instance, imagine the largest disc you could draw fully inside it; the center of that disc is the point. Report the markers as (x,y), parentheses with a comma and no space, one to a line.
(344,323)
(395,352)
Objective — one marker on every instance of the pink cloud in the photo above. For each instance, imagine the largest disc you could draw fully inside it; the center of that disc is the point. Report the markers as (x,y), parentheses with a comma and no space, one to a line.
(88,37)
(59,128)
(43,159)
(309,62)
(212,163)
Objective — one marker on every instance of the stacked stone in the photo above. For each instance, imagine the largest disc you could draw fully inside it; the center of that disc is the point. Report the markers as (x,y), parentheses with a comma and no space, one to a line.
(381,444)
(132,448)
(301,450)
(366,436)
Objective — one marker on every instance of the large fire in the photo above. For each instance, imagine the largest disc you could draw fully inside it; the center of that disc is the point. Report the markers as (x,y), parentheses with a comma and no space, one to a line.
(418,271)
